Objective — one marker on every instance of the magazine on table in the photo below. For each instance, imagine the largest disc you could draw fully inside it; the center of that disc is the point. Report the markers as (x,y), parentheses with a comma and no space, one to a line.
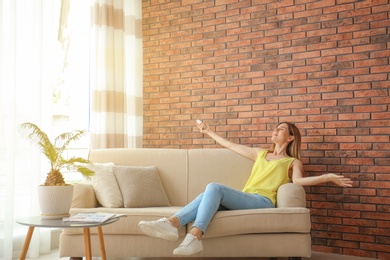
(91,217)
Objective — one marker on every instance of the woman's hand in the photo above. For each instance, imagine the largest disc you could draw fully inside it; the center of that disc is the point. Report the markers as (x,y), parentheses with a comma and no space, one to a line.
(203,127)
(339,180)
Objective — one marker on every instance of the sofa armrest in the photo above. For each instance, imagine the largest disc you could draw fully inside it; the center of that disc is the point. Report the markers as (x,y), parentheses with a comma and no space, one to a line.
(291,195)
(83,196)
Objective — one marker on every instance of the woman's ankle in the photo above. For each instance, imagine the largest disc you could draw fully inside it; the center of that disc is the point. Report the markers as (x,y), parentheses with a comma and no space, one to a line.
(196,232)
(174,221)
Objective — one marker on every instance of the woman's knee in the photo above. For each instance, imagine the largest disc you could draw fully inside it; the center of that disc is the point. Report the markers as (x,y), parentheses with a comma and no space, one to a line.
(213,187)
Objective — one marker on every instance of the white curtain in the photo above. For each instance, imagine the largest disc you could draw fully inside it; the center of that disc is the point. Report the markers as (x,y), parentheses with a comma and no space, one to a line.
(116,74)
(28,32)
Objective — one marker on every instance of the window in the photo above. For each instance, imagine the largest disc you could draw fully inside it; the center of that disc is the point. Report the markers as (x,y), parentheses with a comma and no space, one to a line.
(71,94)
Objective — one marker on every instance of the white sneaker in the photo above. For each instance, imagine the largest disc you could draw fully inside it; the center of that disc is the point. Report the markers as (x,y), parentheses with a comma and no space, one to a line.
(189,246)
(161,228)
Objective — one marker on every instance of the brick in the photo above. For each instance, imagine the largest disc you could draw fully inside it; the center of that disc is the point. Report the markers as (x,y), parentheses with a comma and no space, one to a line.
(354,42)
(309,13)
(376,154)
(322,234)
(306,55)
(375,215)
(359,222)
(372,139)
(370,47)
(342,243)
(382,177)
(306,111)
(343,228)
(272,5)
(376,247)
(327,220)
(379,131)
(321,32)
(355,116)
(369,62)
(380,184)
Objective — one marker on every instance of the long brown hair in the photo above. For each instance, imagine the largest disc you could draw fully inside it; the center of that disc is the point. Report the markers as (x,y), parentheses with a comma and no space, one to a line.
(294,147)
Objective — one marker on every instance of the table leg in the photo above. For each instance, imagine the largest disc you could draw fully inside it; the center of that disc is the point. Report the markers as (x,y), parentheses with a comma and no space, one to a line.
(101,243)
(26,243)
(87,244)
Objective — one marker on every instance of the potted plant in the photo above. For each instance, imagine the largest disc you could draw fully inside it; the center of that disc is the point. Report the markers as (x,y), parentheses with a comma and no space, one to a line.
(55,188)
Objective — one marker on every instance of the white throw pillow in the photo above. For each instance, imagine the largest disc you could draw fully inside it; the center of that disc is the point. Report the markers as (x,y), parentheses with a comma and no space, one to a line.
(140,186)
(105,185)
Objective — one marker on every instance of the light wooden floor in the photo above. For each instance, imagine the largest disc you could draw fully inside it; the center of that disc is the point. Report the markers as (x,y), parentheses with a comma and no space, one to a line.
(315,256)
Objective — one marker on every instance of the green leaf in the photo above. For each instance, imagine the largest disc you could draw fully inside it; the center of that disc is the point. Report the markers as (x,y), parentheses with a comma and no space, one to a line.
(54,151)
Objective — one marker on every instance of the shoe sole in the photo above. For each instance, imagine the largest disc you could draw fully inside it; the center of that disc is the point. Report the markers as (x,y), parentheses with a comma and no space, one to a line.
(182,254)
(153,232)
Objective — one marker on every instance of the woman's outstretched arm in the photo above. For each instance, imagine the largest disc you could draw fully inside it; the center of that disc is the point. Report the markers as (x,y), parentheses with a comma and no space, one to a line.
(297,177)
(246,151)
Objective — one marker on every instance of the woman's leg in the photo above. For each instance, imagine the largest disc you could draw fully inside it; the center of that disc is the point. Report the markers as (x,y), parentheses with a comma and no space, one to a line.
(217,197)
(188,212)
(203,208)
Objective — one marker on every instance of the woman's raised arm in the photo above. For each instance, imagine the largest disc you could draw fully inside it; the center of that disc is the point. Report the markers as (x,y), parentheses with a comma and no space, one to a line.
(249,152)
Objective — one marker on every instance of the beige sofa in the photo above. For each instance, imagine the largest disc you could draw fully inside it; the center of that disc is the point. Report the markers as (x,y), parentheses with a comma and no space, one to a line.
(283,231)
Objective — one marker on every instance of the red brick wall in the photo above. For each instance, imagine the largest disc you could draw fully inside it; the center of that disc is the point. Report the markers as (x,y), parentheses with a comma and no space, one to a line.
(246,65)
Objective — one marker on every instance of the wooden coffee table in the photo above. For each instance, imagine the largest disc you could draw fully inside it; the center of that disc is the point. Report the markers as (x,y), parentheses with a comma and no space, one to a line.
(37,221)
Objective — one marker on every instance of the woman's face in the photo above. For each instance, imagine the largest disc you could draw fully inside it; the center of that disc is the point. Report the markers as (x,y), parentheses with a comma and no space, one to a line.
(281,133)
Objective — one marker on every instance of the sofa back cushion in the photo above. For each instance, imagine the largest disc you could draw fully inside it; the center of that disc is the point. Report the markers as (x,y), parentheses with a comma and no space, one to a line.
(216,165)
(170,163)
(105,185)
(140,186)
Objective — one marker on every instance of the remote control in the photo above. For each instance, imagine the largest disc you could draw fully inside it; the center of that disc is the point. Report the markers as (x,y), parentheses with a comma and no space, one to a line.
(199,121)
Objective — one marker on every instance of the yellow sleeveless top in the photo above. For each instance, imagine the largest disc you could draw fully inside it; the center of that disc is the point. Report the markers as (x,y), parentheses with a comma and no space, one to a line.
(268,176)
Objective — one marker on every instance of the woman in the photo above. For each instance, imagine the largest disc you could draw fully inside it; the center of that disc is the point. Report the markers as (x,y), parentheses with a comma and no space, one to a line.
(272,168)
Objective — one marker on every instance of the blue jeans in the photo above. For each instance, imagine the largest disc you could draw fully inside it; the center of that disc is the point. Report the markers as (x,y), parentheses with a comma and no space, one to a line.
(219,197)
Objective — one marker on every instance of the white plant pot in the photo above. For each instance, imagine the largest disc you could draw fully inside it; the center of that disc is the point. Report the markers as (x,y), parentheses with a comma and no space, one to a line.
(55,201)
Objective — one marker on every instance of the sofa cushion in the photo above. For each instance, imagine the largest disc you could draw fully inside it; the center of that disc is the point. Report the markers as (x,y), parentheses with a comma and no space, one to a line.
(140,186)
(273,220)
(105,185)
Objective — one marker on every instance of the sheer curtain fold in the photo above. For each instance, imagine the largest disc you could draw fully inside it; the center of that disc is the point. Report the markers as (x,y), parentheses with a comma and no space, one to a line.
(116,74)
(26,30)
